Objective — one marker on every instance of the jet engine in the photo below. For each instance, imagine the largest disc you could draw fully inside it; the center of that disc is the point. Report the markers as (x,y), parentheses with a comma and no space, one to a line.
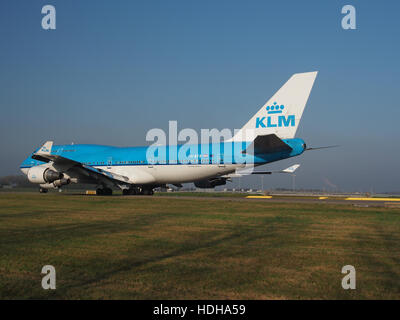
(210,183)
(43,175)
(56,184)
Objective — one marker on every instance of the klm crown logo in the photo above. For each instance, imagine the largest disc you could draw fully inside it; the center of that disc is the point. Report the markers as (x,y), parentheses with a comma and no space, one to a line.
(272,121)
(275,108)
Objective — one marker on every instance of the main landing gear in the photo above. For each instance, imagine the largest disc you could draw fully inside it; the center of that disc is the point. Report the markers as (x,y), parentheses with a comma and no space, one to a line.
(132,191)
(128,192)
(138,191)
(104,191)
(147,192)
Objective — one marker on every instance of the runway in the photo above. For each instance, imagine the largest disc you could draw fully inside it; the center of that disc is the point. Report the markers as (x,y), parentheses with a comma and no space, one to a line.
(355,201)
(358,202)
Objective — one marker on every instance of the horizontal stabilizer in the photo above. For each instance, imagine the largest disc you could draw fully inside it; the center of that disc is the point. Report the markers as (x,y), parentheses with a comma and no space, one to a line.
(317,148)
(291,169)
(246,172)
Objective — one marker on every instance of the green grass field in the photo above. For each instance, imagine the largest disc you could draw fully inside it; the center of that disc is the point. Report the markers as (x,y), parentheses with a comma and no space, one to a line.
(164,248)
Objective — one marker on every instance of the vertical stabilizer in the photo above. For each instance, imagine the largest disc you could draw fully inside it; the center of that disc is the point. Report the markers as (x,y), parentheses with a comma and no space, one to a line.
(282,113)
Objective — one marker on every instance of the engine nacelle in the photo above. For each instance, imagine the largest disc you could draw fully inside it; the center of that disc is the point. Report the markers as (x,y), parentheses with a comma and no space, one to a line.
(56,184)
(43,175)
(210,183)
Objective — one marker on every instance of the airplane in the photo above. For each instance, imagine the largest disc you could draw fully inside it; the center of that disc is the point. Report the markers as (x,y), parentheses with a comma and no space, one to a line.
(130,169)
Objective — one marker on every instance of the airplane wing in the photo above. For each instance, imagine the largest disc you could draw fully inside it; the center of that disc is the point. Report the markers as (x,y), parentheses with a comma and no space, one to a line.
(63,164)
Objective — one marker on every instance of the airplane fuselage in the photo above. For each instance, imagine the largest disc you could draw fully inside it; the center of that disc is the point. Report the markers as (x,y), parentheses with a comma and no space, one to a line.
(177,165)
(268,136)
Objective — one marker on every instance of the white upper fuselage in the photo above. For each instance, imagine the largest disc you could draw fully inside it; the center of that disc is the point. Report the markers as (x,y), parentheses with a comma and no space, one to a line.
(141,169)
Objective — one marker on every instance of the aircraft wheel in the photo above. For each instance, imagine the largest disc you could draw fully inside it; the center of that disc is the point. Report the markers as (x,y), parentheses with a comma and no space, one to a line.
(148,192)
(43,190)
(99,191)
(108,191)
(129,192)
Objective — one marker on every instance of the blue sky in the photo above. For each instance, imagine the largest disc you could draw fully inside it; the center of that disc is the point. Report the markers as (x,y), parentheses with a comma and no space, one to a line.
(112,70)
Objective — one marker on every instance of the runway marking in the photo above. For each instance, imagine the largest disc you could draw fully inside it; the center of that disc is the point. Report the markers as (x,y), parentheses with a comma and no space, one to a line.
(373,199)
(259,197)
(328,198)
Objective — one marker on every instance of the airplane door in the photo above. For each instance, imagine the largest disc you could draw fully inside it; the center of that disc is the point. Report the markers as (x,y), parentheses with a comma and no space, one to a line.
(109,162)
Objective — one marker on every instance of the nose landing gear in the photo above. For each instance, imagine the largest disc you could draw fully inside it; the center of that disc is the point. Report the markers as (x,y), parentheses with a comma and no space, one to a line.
(43,190)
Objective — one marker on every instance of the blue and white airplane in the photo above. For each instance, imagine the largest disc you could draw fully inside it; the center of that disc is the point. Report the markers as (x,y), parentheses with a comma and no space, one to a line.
(272,128)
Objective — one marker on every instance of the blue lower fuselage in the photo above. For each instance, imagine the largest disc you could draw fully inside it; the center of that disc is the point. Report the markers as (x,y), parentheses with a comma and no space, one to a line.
(202,154)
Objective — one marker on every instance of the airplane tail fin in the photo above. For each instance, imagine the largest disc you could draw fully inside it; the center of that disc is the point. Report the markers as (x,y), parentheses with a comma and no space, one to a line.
(282,113)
